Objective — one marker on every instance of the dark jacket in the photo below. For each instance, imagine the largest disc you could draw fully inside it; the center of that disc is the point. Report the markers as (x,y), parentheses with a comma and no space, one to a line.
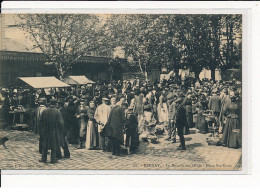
(180,116)
(52,127)
(68,114)
(116,123)
(132,130)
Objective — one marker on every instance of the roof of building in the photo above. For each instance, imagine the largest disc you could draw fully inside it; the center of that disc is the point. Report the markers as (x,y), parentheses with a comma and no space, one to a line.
(13,45)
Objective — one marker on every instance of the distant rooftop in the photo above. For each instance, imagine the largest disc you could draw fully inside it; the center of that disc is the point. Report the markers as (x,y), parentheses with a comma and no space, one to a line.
(9,44)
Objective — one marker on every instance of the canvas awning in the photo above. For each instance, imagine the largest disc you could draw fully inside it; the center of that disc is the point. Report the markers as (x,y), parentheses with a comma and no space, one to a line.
(81,80)
(44,82)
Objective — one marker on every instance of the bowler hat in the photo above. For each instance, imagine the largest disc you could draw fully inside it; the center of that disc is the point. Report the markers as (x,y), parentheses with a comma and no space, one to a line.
(178,100)
(41,100)
(53,101)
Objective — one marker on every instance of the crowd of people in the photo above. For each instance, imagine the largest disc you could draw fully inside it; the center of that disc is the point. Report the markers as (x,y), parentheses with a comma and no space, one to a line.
(106,116)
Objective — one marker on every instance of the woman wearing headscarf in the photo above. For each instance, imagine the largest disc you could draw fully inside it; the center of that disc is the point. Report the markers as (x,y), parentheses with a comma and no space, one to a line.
(162,110)
(147,111)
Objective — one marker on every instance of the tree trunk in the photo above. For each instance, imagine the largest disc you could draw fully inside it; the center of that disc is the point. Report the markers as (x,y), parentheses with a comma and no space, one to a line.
(140,66)
(197,75)
(213,70)
(60,70)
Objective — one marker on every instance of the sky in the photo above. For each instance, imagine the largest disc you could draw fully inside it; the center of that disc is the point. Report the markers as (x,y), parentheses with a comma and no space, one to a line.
(16,34)
(18,40)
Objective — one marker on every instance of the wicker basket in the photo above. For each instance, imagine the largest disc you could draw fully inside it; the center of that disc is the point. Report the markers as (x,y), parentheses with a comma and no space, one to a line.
(209,115)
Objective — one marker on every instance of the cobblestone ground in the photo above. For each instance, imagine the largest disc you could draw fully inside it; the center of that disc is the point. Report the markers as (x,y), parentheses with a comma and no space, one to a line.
(22,153)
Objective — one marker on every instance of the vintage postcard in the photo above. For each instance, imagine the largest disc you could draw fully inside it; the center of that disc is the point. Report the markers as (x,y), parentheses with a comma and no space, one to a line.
(136,91)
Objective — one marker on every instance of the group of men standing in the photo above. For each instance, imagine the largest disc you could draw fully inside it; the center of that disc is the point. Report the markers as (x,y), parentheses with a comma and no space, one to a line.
(104,129)
(129,109)
(50,125)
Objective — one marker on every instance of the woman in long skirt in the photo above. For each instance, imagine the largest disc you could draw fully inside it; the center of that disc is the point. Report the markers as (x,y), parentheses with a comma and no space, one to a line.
(81,115)
(91,136)
(201,121)
(162,109)
(230,137)
(224,104)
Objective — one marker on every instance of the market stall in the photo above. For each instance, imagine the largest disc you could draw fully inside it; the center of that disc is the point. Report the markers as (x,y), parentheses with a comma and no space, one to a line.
(78,81)
(20,113)
(43,82)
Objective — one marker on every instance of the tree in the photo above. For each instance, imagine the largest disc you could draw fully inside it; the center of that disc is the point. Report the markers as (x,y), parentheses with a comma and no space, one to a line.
(63,38)
(230,34)
(146,39)
(207,41)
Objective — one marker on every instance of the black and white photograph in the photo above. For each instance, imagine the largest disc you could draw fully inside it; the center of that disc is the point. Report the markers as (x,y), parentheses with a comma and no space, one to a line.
(121,91)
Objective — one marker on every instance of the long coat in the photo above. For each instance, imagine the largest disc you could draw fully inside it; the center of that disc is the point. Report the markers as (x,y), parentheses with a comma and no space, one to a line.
(71,126)
(91,137)
(132,130)
(201,123)
(38,114)
(139,106)
(81,112)
(116,123)
(215,103)
(101,115)
(226,101)
(52,127)
(181,117)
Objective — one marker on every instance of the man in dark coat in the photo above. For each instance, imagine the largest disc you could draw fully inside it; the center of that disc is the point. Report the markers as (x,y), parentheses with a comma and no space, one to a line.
(115,129)
(68,113)
(52,132)
(132,136)
(180,122)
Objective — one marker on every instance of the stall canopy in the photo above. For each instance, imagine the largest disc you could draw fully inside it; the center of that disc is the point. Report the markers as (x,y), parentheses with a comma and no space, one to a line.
(81,80)
(44,82)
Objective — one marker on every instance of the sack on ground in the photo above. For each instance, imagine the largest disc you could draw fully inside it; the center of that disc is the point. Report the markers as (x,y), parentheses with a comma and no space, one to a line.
(213,140)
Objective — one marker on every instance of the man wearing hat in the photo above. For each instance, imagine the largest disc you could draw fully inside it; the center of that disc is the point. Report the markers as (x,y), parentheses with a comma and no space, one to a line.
(180,122)
(215,102)
(115,129)
(38,114)
(101,116)
(52,132)
(132,136)
(171,117)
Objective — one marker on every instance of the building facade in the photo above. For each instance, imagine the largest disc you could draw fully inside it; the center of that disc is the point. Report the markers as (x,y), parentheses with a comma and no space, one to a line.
(15,64)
